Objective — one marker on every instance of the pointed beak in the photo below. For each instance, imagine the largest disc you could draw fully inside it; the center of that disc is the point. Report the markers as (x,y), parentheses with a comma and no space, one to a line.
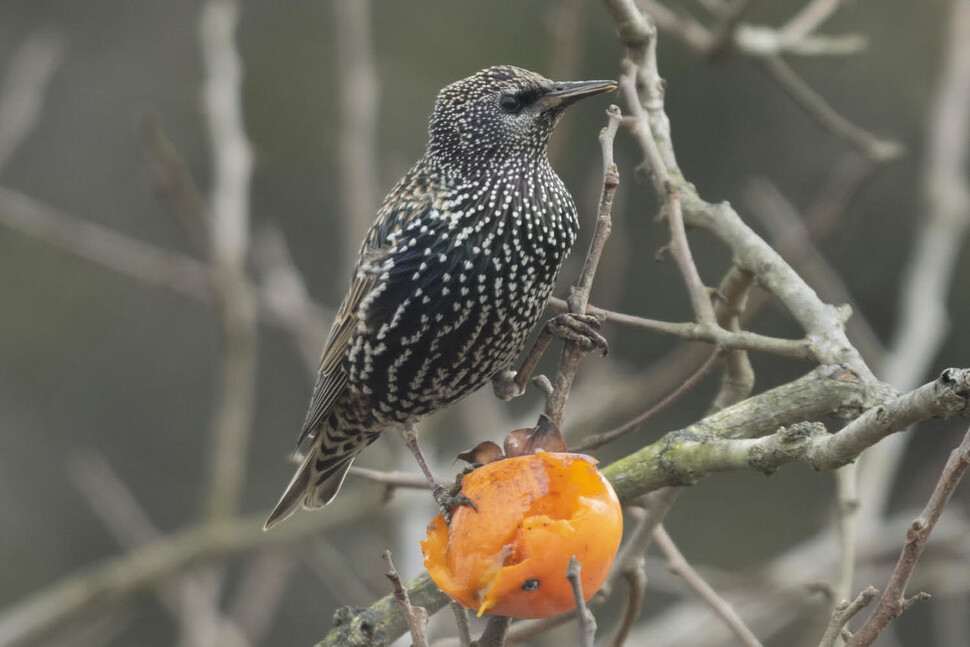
(564,93)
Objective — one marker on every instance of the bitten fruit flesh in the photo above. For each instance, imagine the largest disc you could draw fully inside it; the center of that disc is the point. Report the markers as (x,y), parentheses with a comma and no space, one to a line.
(509,557)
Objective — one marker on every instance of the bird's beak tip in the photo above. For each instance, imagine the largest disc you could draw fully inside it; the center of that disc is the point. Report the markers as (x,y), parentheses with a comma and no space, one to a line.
(570,91)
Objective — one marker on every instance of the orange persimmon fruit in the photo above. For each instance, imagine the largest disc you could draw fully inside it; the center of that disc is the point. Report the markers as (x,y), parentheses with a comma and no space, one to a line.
(509,557)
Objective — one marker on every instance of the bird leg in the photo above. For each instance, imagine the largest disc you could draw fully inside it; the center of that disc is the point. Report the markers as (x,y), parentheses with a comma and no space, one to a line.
(568,326)
(446,499)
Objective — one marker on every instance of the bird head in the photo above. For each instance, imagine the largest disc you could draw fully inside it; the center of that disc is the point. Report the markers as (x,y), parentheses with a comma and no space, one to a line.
(501,115)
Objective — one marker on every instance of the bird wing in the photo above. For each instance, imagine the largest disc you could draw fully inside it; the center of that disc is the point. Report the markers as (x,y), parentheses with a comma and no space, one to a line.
(378,245)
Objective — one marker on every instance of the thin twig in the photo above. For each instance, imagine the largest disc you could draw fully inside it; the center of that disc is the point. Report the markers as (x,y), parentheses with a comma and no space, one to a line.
(417,617)
(665,188)
(392,479)
(636,581)
(721,607)
(597,441)
(738,379)
(579,294)
(587,623)
(25,85)
(809,18)
(847,524)
(843,613)
(173,176)
(496,630)
(792,238)
(778,597)
(461,622)
(146,263)
(697,331)
(747,39)
(894,600)
(877,149)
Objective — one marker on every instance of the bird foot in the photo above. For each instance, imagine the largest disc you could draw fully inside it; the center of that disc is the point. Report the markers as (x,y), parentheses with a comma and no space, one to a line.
(449,500)
(580,329)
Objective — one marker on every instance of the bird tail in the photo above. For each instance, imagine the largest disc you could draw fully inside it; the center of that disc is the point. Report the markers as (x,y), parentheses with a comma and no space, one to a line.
(315,484)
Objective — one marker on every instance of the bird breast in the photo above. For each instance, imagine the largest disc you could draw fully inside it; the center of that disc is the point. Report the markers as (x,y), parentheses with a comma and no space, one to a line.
(461,288)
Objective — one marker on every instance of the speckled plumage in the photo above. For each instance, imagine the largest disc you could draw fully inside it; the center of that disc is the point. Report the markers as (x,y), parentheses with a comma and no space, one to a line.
(452,276)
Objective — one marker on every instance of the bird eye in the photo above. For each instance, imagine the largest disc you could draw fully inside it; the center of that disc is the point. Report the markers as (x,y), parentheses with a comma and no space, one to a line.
(510,103)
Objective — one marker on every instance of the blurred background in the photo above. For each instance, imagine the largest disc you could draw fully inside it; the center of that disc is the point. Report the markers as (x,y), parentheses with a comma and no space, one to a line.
(111,336)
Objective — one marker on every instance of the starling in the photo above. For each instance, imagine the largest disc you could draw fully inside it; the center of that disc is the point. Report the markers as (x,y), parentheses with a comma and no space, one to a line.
(451,278)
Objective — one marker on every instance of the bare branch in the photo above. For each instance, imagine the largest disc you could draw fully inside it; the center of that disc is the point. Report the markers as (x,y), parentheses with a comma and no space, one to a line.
(636,581)
(118,252)
(229,240)
(579,293)
(392,479)
(738,379)
(173,176)
(695,331)
(359,100)
(594,442)
(940,237)
(116,578)
(24,86)
(698,454)
(747,39)
(384,621)
(117,507)
(789,234)
(146,263)
(678,565)
(587,623)
(417,617)
(461,621)
(843,613)
(879,150)
(894,600)
(809,18)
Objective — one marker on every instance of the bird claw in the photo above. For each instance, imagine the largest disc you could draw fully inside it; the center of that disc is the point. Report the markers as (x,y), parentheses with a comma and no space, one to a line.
(448,501)
(579,329)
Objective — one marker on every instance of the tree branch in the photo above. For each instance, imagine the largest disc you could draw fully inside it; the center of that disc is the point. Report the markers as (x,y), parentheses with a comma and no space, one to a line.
(579,293)
(683,457)
(894,600)
(678,565)
(229,245)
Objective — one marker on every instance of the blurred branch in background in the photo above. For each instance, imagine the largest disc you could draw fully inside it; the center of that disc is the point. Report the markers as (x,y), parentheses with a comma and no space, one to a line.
(679,566)
(940,236)
(766,45)
(184,597)
(103,585)
(894,601)
(359,170)
(796,38)
(229,249)
(24,85)
(293,311)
